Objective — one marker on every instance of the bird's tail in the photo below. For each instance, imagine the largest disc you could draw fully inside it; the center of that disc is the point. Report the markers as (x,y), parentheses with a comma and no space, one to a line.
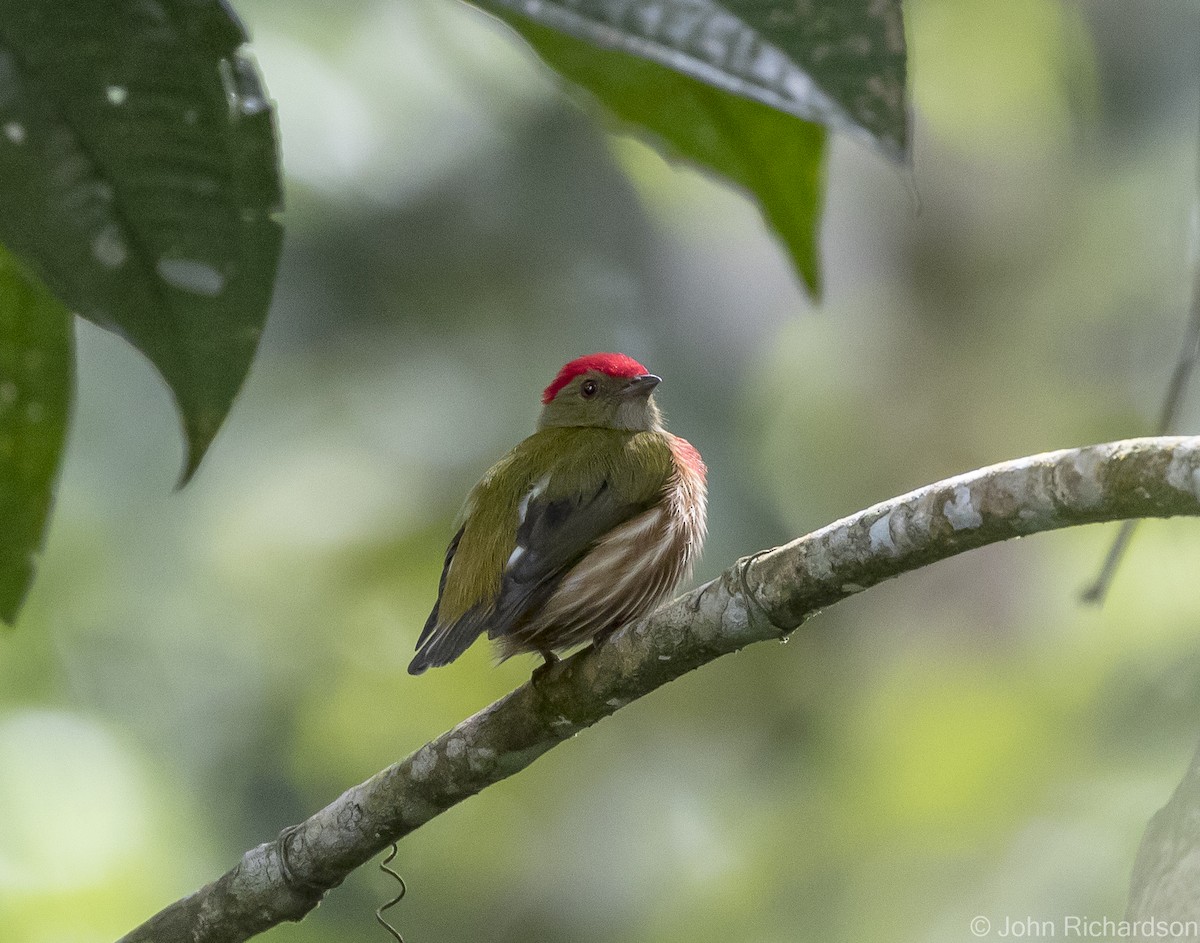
(445,644)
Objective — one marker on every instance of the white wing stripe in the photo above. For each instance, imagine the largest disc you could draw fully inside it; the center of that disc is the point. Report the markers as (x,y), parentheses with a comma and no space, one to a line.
(536,491)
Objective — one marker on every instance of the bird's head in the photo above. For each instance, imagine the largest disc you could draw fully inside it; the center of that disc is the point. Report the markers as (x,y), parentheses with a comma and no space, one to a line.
(607,390)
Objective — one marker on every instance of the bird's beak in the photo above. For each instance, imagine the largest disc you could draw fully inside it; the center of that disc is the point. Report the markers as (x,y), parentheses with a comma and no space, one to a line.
(641,386)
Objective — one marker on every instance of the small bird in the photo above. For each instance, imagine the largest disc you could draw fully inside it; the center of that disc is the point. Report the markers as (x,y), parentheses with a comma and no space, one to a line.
(584,526)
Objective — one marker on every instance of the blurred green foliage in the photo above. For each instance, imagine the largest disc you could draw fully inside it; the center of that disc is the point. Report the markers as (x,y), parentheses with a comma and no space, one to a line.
(777,159)
(196,670)
(35,391)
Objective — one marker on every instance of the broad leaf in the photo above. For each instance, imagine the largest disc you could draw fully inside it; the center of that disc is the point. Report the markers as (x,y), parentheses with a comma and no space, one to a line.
(35,393)
(1163,886)
(138,177)
(840,63)
(778,158)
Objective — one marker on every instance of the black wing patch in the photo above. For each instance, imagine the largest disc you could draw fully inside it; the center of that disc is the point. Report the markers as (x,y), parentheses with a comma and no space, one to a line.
(554,536)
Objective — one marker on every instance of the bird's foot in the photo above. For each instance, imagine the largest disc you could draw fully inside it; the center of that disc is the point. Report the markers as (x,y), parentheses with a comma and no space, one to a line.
(601,637)
(540,672)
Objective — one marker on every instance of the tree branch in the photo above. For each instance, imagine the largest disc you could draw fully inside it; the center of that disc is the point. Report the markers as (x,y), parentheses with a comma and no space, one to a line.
(763,596)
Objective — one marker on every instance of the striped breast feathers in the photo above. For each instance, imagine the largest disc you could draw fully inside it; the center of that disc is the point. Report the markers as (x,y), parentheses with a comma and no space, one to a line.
(532,518)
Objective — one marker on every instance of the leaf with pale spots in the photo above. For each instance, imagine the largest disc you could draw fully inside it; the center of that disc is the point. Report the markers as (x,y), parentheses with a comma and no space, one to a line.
(139,179)
(35,392)
(840,63)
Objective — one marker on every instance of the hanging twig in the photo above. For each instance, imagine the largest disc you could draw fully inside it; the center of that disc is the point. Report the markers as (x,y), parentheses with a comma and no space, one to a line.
(383,866)
(1189,352)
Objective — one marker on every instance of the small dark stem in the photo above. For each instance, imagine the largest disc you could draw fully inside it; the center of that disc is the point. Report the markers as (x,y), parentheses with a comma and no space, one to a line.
(395,900)
(1189,353)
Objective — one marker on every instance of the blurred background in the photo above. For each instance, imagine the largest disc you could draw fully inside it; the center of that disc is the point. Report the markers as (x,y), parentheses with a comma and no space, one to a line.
(196,670)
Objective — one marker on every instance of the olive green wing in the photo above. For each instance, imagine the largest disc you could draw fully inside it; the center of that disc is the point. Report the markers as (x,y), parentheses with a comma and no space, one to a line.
(596,480)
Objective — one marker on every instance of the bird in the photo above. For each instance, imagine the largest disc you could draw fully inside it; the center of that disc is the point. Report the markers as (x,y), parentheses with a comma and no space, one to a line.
(584,526)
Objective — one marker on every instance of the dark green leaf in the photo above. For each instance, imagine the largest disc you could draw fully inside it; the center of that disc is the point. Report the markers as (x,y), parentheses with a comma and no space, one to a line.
(840,63)
(775,156)
(138,177)
(35,394)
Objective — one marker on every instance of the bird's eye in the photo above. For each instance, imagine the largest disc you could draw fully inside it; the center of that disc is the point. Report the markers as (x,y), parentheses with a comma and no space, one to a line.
(588,390)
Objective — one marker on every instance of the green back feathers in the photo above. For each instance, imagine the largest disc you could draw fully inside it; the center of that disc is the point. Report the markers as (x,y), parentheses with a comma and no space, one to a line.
(560,462)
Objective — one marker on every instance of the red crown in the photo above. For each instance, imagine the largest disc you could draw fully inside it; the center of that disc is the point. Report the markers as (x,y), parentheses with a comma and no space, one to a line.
(615,365)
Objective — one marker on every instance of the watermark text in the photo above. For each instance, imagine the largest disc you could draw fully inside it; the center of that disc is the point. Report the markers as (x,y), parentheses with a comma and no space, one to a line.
(1077,927)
